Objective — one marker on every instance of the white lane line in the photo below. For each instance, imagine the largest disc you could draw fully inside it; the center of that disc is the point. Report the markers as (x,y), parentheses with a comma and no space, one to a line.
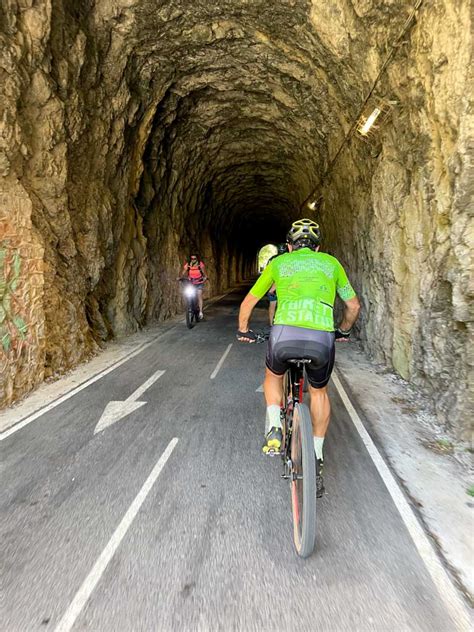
(441,579)
(91,581)
(211,301)
(145,386)
(77,389)
(221,362)
(45,409)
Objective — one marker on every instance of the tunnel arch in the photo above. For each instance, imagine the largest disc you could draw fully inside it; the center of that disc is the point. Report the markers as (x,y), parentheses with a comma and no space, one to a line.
(133,130)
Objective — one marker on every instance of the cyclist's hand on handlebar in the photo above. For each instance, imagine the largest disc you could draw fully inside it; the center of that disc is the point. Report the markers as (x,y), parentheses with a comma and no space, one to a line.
(342,336)
(246,336)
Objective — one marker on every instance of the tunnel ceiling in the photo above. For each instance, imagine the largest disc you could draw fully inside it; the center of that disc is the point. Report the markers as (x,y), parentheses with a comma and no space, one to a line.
(244,100)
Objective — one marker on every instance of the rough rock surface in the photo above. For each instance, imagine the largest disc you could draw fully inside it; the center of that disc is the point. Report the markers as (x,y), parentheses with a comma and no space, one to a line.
(133,131)
(407,205)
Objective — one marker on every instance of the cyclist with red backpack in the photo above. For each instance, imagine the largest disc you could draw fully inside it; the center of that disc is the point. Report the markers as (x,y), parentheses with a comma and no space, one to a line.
(195,272)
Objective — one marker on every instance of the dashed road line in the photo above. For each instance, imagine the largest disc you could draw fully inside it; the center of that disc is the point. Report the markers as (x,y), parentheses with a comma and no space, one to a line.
(93,578)
(221,362)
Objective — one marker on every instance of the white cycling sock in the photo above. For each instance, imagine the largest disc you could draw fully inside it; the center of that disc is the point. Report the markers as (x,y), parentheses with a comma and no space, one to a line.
(318,446)
(272,418)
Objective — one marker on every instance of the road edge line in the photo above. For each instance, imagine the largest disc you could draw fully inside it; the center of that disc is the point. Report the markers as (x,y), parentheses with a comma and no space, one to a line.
(77,389)
(25,421)
(437,572)
(215,299)
(90,582)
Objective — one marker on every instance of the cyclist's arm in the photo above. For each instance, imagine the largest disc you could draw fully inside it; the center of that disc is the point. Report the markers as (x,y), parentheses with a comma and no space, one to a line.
(261,287)
(246,309)
(351,313)
(351,302)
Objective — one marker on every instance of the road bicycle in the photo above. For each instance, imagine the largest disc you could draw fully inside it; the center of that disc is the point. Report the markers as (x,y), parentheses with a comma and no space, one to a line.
(191,303)
(297,453)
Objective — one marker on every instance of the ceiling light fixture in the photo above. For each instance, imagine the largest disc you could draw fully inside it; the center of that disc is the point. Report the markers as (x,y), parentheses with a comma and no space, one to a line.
(393,48)
(364,129)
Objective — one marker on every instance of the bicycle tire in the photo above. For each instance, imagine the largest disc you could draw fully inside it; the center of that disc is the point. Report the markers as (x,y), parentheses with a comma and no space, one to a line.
(287,408)
(303,482)
(286,389)
(305,383)
(189,317)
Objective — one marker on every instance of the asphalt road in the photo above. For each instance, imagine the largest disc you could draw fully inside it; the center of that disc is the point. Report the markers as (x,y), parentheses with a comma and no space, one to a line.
(210,546)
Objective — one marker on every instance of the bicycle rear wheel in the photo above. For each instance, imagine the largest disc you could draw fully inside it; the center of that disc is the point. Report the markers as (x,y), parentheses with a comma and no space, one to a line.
(305,383)
(303,482)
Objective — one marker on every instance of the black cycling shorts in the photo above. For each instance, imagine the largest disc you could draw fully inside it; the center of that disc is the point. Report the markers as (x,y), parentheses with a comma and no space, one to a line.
(288,343)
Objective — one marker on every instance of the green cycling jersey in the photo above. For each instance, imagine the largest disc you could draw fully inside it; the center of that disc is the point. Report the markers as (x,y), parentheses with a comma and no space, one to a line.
(306,284)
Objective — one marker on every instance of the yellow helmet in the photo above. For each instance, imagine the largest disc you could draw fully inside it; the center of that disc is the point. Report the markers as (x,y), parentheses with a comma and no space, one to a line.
(304,229)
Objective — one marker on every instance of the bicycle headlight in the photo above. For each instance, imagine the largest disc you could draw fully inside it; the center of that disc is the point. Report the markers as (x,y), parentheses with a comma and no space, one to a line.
(189,291)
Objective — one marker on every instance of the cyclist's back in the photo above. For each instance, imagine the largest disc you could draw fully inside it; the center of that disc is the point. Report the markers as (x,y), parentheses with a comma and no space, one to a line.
(306,284)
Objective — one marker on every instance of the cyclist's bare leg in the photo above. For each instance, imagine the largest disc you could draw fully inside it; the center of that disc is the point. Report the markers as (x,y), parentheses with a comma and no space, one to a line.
(320,413)
(273,390)
(199,294)
(320,410)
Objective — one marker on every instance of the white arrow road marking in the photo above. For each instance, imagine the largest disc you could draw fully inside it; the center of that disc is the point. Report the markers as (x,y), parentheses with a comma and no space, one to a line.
(259,389)
(116,410)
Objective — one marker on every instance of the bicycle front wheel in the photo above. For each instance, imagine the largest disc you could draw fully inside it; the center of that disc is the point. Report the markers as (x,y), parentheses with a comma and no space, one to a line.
(189,316)
(303,482)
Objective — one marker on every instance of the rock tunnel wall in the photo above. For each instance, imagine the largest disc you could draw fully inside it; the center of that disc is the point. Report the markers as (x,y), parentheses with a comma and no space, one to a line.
(405,200)
(133,132)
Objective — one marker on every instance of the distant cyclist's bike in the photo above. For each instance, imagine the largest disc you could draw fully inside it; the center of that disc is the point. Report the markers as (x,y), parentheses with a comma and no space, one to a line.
(191,303)
(297,452)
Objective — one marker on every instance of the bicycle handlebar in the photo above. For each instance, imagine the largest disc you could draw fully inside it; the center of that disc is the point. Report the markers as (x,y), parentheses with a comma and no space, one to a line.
(255,336)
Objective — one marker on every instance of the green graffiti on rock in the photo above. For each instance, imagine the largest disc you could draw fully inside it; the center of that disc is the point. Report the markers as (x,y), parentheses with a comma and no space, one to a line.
(13,329)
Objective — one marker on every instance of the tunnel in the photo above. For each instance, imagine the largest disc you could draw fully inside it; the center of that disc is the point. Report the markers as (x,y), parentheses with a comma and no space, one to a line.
(134,132)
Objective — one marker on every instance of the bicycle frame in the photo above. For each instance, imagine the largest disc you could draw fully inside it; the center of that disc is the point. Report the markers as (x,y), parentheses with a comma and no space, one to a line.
(293,394)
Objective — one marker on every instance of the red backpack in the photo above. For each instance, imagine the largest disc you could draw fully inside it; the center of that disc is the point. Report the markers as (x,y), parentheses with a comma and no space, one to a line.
(201,272)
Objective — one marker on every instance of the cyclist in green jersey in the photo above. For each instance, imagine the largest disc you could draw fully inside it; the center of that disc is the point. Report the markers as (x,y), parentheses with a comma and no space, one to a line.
(306,282)
(271,294)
